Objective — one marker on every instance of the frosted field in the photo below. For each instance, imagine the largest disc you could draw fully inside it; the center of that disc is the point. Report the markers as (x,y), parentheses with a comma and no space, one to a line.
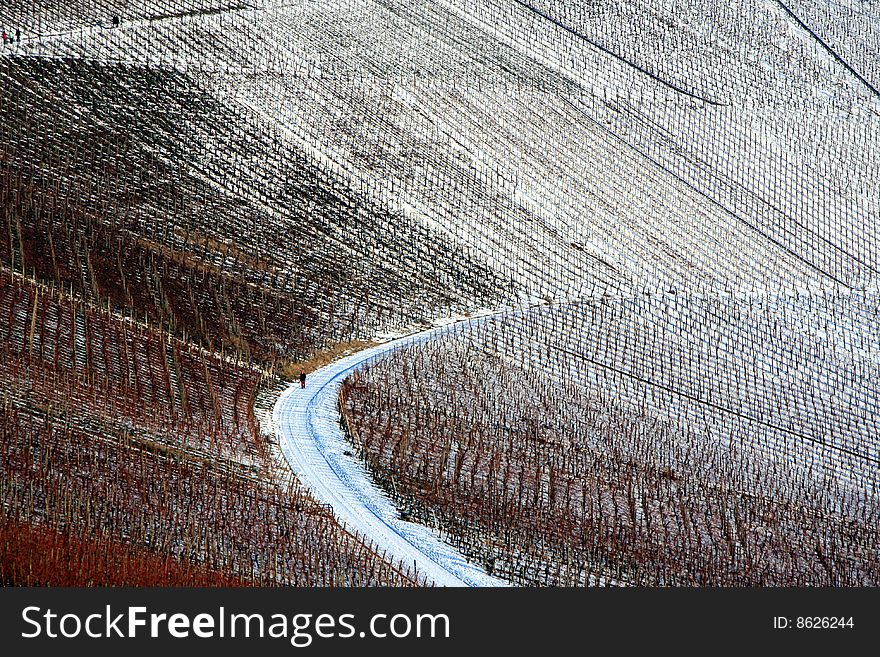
(565,166)
(691,188)
(647,441)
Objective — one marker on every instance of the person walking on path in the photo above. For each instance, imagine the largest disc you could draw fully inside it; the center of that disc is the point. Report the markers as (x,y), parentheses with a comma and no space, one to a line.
(302,379)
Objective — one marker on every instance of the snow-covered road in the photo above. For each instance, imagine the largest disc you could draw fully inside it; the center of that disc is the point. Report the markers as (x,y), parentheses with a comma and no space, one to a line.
(307,423)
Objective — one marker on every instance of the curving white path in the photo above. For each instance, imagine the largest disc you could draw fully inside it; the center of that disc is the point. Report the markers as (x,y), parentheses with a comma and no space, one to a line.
(307,423)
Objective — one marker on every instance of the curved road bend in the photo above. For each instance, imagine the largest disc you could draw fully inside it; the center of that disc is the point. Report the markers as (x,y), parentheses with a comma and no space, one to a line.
(307,423)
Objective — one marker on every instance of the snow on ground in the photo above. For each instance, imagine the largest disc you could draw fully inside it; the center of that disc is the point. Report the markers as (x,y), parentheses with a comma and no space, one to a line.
(551,140)
(544,146)
(307,423)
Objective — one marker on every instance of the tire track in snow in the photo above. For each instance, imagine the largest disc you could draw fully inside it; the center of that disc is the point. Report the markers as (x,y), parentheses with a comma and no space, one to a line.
(307,423)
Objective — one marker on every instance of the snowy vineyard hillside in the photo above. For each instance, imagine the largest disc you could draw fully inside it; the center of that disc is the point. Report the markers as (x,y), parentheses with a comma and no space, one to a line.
(645,440)
(196,194)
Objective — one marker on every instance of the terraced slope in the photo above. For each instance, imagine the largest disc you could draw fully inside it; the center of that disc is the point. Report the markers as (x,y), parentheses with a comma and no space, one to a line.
(264,179)
(712,421)
(573,129)
(215,252)
(649,441)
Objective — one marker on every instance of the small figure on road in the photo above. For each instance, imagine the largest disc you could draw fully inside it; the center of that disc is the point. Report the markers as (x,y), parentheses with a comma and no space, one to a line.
(116,21)
(302,379)
(4,37)
(18,35)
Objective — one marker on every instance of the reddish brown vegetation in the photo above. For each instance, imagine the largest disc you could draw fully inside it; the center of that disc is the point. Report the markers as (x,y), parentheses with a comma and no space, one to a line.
(116,434)
(147,288)
(66,559)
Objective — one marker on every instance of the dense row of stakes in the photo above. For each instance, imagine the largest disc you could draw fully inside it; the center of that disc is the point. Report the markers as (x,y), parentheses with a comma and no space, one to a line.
(116,434)
(652,442)
(144,308)
(793,180)
(196,193)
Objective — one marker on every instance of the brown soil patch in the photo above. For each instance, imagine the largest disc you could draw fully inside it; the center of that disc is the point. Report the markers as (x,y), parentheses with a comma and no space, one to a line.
(290,371)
